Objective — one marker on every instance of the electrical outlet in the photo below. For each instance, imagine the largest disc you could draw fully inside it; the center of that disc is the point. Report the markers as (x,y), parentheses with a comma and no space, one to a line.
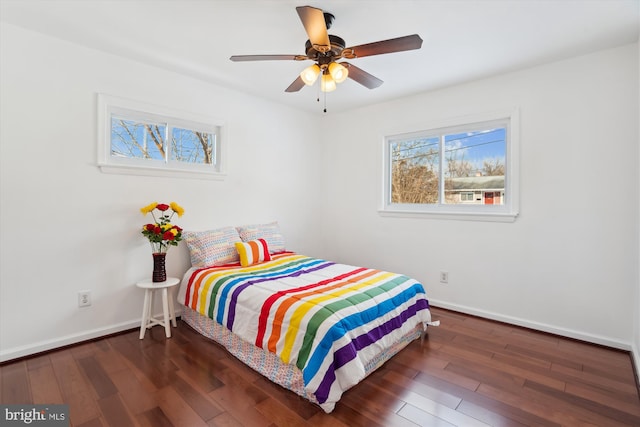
(444,277)
(84,298)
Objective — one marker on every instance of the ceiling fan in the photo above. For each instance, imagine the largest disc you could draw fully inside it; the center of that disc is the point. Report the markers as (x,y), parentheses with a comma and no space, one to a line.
(326,49)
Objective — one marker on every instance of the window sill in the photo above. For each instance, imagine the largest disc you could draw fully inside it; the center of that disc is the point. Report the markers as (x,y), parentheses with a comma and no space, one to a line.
(164,172)
(457,216)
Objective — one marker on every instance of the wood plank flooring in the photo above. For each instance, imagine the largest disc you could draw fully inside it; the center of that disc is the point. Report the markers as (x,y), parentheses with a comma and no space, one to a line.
(468,372)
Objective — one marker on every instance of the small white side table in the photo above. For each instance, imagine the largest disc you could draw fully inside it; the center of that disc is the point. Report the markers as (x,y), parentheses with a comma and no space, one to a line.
(167,305)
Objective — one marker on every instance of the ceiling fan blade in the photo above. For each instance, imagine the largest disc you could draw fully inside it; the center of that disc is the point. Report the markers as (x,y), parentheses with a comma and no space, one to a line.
(296,85)
(387,46)
(240,58)
(314,24)
(362,77)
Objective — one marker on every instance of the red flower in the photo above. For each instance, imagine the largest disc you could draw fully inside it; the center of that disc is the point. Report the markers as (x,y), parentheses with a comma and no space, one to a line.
(162,234)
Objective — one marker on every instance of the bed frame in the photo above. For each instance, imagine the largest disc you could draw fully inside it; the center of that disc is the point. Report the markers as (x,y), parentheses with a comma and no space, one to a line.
(269,364)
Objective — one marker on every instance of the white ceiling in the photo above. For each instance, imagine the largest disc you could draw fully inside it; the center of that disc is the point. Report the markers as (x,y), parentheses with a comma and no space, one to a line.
(463,39)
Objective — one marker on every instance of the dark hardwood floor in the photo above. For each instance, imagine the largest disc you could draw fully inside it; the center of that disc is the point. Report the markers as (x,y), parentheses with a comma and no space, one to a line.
(468,372)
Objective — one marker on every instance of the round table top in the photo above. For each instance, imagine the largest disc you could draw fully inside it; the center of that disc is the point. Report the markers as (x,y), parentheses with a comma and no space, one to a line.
(148,284)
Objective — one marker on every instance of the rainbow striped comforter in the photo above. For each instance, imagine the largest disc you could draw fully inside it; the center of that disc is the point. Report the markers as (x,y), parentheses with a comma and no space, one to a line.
(328,319)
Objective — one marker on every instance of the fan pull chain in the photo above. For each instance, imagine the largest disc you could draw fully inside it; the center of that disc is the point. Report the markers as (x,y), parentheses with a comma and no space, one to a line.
(325,102)
(324,97)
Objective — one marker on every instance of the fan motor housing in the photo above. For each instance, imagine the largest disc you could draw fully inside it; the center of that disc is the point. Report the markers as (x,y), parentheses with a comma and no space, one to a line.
(337,46)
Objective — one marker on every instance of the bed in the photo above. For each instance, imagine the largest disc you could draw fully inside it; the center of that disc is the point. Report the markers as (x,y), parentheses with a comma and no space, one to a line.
(310,325)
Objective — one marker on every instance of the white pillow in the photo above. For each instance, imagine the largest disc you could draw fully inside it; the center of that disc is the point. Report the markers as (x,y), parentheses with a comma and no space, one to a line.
(269,232)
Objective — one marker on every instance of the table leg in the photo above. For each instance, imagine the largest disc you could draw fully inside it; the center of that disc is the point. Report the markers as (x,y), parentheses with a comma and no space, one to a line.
(145,313)
(165,311)
(172,310)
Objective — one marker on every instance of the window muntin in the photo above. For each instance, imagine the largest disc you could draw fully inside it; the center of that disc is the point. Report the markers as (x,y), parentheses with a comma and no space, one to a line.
(467,169)
(150,140)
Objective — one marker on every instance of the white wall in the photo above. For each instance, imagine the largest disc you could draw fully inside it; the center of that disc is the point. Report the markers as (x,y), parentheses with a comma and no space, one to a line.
(65,226)
(568,264)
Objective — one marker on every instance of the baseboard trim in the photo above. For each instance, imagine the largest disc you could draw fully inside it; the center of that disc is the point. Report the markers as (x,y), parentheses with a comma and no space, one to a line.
(42,346)
(635,358)
(52,344)
(544,327)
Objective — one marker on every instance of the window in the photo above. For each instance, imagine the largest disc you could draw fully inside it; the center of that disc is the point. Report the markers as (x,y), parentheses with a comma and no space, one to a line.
(151,140)
(465,169)
(467,196)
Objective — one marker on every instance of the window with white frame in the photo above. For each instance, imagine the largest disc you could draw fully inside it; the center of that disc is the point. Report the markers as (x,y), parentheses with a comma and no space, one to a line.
(464,169)
(143,139)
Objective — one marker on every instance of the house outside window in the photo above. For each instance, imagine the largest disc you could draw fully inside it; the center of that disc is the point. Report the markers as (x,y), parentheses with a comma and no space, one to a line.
(141,139)
(467,197)
(487,190)
(464,170)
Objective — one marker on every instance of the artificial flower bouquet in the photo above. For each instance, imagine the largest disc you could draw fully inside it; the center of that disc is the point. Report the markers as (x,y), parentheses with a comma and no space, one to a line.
(162,233)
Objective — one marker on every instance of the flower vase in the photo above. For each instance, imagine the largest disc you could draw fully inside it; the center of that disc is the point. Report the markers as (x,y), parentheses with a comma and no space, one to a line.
(159,270)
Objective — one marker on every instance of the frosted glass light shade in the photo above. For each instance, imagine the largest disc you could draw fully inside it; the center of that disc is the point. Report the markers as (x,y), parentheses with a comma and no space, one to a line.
(338,71)
(310,74)
(327,84)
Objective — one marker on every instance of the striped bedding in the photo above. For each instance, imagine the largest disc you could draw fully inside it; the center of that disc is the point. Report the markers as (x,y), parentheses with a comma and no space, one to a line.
(329,320)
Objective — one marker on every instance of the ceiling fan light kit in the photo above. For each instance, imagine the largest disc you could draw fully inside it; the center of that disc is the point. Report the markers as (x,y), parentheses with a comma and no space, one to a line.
(327,84)
(325,50)
(338,72)
(310,74)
